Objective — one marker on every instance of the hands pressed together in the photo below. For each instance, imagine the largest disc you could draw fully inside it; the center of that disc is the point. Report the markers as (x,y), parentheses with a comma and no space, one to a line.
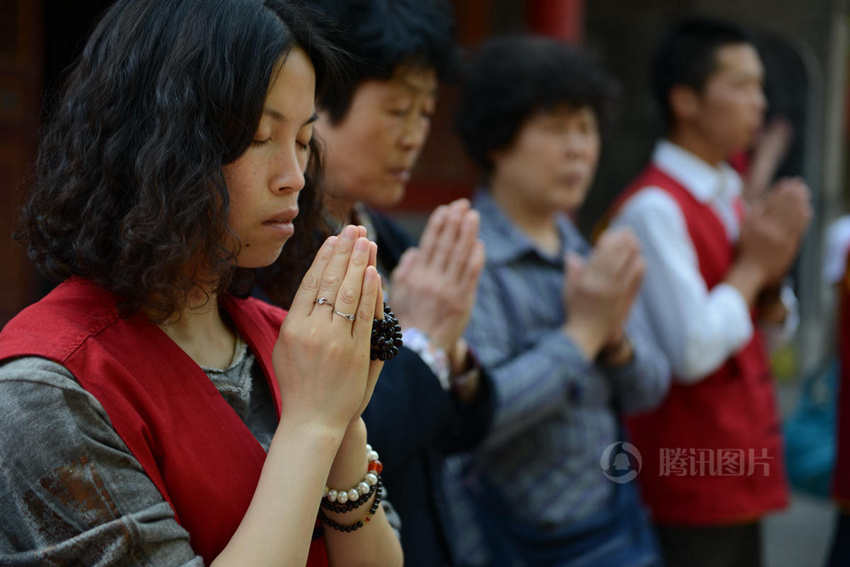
(773,228)
(434,284)
(770,237)
(326,377)
(600,291)
(322,358)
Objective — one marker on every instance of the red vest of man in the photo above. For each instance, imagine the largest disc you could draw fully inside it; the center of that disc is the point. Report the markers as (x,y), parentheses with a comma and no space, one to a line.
(199,454)
(712,452)
(841,475)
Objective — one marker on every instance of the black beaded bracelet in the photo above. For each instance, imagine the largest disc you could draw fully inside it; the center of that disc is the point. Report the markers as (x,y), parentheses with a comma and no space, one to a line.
(360,523)
(350,505)
(386,336)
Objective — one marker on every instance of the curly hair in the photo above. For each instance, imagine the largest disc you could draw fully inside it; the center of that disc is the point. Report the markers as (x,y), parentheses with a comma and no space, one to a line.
(129,189)
(508,79)
(383,36)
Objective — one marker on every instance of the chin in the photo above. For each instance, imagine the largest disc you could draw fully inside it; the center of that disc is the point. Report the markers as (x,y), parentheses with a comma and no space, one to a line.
(573,200)
(388,196)
(255,261)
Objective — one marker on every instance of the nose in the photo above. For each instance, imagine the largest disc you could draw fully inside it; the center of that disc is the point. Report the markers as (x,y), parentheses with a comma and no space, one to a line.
(575,143)
(761,101)
(414,131)
(289,172)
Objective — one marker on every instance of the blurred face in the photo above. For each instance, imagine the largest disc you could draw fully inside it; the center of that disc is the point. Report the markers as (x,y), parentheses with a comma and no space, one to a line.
(730,109)
(370,154)
(263,183)
(550,165)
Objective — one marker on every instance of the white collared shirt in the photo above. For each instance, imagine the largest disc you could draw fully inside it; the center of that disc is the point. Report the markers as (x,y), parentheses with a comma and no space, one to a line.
(697,328)
(836,245)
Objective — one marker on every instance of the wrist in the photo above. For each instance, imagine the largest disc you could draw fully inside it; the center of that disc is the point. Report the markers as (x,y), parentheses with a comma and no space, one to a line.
(350,460)
(337,504)
(617,354)
(588,341)
(748,277)
(431,354)
(466,377)
(460,357)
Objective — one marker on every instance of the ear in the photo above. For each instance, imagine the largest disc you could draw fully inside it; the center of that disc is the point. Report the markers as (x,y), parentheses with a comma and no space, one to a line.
(684,102)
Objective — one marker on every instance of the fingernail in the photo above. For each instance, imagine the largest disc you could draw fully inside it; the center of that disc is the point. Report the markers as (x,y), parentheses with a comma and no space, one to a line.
(349,233)
(362,245)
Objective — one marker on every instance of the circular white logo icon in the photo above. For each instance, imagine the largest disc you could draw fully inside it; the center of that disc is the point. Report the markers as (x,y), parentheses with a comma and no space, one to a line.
(621,462)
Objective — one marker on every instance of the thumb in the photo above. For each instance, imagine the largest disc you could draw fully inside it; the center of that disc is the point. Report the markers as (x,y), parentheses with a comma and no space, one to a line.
(405,263)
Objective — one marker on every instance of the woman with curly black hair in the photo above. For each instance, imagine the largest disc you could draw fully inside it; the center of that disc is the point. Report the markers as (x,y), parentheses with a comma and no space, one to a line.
(150,415)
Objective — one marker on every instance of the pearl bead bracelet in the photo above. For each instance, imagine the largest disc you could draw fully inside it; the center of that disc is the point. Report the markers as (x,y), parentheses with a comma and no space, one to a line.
(358,524)
(347,500)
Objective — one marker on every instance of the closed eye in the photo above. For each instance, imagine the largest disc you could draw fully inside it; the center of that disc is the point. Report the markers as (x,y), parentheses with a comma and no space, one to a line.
(303,146)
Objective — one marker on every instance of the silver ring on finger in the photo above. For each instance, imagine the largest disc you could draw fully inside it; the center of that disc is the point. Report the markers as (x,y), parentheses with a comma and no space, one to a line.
(324,301)
(348,316)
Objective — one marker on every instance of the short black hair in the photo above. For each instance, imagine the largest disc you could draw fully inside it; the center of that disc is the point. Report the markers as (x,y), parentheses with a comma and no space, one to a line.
(509,79)
(383,36)
(687,55)
(129,190)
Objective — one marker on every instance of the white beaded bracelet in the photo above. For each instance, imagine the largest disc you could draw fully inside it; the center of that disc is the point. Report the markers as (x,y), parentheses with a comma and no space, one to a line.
(364,487)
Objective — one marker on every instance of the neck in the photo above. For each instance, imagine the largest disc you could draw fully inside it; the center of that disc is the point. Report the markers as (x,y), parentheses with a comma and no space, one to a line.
(538,224)
(696,144)
(202,333)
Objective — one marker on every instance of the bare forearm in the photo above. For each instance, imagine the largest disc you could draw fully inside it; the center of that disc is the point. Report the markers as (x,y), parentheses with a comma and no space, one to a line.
(375,543)
(277,528)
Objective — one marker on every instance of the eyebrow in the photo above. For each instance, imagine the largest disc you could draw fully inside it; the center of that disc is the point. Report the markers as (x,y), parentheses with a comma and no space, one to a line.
(279,116)
(417,89)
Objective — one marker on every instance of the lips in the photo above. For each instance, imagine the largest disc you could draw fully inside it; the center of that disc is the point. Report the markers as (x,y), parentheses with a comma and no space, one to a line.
(402,174)
(572,178)
(284,217)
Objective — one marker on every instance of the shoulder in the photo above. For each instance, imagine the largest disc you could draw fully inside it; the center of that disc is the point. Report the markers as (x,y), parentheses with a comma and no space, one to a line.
(34,380)
(55,326)
(648,203)
(41,402)
(36,370)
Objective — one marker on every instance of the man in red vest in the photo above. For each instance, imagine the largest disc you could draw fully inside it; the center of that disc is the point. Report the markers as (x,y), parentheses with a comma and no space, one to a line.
(712,296)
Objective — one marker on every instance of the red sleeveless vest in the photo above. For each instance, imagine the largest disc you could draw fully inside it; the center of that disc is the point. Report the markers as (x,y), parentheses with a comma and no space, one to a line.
(199,454)
(712,452)
(841,475)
